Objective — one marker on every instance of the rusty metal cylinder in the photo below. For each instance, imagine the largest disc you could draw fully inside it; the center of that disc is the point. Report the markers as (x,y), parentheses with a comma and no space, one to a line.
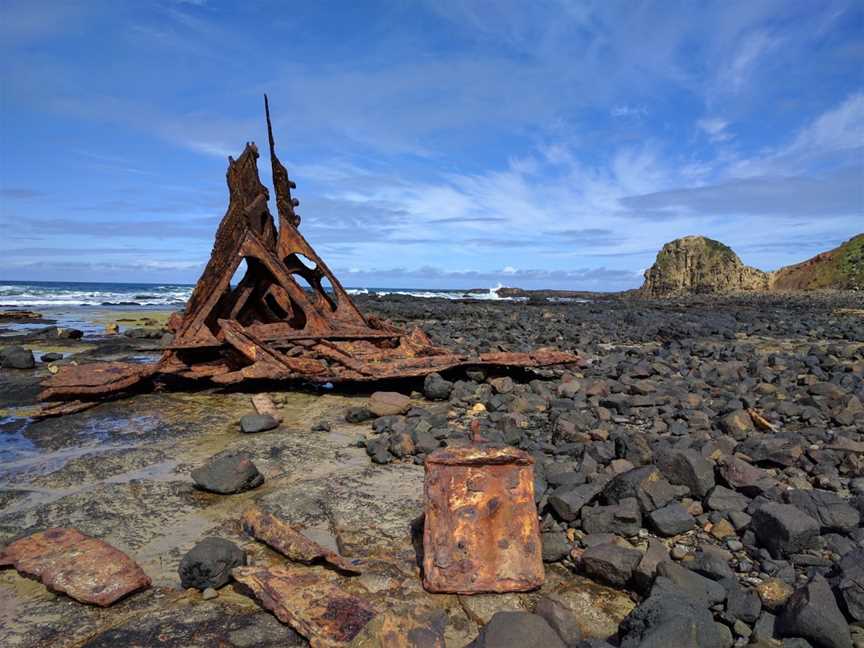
(481,532)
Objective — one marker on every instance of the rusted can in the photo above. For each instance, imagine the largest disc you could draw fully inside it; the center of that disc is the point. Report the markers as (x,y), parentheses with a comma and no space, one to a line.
(481,532)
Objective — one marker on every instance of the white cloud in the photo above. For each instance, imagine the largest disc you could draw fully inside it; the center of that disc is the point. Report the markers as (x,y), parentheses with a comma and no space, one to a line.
(716,128)
(751,48)
(628,111)
(837,132)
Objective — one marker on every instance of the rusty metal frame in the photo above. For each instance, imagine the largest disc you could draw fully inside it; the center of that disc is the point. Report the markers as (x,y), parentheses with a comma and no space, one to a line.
(269,326)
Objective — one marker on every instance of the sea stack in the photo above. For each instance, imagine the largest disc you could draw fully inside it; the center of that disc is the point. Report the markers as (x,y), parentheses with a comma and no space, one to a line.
(696,264)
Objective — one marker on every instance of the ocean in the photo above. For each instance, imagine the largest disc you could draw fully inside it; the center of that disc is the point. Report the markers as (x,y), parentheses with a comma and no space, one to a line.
(42,294)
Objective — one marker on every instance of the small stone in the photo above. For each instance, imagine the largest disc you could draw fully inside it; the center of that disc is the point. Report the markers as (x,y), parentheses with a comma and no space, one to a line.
(741,629)
(252,423)
(50,357)
(503,385)
(773,593)
(209,594)
(679,552)
(723,529)
(358,415)
(737,424)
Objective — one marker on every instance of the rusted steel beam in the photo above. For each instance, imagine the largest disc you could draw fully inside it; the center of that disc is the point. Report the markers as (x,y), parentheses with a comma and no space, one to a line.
(290,542)
(481,532)
(269,326)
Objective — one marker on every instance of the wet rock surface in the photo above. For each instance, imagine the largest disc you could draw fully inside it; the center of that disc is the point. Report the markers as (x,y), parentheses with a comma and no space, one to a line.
(699,482)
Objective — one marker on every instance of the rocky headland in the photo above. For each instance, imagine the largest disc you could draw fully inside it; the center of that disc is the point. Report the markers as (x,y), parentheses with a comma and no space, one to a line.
(699,265)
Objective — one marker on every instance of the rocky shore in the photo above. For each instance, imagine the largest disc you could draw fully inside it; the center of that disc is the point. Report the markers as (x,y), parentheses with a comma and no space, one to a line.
(700,482)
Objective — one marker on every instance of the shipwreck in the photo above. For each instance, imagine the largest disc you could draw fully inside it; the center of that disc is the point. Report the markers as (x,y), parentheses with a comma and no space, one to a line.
(269,326)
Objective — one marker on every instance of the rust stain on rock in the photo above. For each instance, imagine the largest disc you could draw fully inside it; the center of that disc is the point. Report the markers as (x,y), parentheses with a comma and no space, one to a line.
(311,603)
(481,532)
(292,544)
(269,326)
(84,568)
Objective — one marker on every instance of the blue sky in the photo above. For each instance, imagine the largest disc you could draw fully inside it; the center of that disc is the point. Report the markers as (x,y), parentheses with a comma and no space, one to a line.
(434,144)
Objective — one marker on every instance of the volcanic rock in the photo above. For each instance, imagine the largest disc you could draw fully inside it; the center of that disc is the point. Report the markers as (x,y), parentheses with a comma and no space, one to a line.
(517,630)
(228,473)
(783,528)
(610,563)
(436,388)
(812,612)
(666,620)
(252,423)
(672,519)
(16,357)
(623,518)
(209,563)
(696,586)
(689,468)
(646,484)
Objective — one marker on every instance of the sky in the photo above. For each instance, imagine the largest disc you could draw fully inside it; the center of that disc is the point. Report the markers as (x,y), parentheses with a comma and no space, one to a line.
(449,143)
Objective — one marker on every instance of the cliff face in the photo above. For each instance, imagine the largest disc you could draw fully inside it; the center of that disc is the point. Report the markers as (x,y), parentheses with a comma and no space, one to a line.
(842,267)
(695,264)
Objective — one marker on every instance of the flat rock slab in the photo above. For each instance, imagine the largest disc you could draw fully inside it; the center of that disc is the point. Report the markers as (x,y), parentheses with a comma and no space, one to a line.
(84,568)
(311,603)
(288,541)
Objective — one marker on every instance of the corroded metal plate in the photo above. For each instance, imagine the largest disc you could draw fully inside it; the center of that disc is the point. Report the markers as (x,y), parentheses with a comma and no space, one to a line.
(84,568)
(309,601)
(481,532)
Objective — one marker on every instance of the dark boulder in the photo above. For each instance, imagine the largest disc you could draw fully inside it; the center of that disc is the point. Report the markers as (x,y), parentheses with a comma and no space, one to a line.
(16,358)
(436,388)
(673,619)
(252,423)
(646,484)
(672,577)
(610,563)
(209,563)
(567,501)
(783,529)
(688,468)
(228,473)
(829,509)
(517,630)
(812,612)
(670,520)
(623,518)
